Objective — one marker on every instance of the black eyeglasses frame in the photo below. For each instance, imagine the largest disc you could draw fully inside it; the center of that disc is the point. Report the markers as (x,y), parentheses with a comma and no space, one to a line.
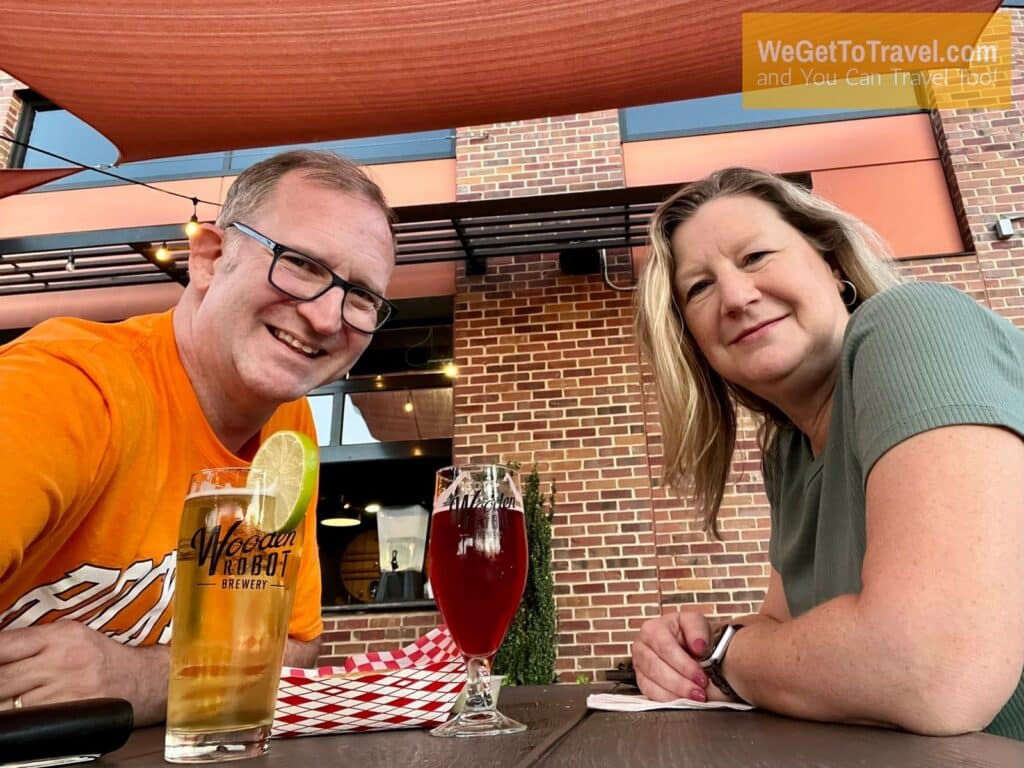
(385,310)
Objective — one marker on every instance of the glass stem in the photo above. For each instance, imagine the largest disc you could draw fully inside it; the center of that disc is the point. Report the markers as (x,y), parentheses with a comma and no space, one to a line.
(478,685)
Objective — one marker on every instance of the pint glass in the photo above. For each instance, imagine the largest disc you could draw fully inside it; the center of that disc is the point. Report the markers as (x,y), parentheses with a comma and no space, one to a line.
(234,587)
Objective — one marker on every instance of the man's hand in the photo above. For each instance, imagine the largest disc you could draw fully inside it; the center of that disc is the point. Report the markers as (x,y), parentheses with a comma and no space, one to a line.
(665,657)
(68,661)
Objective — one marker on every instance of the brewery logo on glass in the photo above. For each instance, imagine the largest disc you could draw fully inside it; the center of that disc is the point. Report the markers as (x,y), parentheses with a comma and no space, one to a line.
(478,558)
(467,491)
(233,553)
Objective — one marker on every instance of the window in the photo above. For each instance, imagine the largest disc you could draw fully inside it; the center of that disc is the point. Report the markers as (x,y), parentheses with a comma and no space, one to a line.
(382,439)
(382,417)
(56,130)
(383,432)
(719,114)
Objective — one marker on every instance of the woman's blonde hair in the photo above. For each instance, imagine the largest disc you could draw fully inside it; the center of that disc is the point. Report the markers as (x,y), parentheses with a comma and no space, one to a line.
(697,406)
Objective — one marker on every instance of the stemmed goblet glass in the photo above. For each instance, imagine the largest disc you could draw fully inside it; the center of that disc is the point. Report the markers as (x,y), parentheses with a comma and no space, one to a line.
(478,560)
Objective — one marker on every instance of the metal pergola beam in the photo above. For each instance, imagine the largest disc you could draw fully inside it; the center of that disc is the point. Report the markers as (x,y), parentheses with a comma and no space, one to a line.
(470,231)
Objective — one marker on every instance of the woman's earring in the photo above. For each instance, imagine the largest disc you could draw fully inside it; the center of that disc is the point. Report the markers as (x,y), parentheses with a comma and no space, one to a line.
(848,293)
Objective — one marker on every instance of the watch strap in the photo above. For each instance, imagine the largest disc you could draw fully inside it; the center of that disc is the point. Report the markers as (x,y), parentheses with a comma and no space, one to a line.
(714,667)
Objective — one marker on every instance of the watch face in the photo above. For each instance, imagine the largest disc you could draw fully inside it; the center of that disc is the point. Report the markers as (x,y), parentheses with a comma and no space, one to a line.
(723,644)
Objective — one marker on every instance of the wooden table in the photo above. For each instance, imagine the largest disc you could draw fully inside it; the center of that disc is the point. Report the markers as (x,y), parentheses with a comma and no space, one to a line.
(563,733)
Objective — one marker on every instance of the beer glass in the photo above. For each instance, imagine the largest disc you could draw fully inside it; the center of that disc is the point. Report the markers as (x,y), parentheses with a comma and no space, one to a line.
(478,561)
(233,594)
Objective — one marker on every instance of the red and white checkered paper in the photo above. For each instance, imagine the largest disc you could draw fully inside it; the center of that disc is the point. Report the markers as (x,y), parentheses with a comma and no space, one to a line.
(413,687)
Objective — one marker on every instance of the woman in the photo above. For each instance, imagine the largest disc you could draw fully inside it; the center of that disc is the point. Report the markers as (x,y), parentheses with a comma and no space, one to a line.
(893,458)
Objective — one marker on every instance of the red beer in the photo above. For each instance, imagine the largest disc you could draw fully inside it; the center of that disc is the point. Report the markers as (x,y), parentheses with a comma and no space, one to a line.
(478,565)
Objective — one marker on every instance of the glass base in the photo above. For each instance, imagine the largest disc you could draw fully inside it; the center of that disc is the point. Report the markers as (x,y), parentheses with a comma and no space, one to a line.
(483,723)
(216,746)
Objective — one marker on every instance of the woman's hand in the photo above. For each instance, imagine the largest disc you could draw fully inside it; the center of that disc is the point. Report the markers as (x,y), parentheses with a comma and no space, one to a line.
(666,653)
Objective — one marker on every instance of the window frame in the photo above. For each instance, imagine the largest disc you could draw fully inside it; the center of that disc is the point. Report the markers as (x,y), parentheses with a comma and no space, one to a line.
(629,135)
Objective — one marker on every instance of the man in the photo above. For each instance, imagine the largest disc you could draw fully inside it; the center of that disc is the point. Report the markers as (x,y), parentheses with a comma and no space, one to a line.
(102,425)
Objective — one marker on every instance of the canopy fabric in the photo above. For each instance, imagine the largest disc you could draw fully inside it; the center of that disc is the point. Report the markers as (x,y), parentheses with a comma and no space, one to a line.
(13,181)
(161,79)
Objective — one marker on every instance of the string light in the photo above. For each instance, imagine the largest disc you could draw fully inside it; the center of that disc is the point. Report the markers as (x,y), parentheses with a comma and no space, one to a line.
(162,254)
(408,407)
(111,174)
(451,370)
(193,223)
(70,266)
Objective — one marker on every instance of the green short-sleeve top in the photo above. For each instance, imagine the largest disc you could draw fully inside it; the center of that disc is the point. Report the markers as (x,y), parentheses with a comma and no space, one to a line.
(915,357)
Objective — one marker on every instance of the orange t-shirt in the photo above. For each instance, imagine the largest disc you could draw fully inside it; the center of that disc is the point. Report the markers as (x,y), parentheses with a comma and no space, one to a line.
(100,431)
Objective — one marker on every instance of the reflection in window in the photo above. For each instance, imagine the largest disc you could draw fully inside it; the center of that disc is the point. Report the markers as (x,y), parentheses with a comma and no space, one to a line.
(381,417)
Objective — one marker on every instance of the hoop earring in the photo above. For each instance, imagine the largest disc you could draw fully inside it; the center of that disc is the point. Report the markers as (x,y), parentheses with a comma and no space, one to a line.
(843,292)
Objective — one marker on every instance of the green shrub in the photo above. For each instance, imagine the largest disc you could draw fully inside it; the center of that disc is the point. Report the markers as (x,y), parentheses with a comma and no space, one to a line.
(527,656)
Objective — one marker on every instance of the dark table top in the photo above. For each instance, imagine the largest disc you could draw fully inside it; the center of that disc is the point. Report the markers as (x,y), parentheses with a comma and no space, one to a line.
(563,733)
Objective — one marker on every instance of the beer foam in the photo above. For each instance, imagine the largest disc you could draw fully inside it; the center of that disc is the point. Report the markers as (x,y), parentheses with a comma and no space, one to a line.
(210,493)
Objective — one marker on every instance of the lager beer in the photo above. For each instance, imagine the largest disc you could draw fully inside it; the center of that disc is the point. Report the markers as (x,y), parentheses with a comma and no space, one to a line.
(234,587)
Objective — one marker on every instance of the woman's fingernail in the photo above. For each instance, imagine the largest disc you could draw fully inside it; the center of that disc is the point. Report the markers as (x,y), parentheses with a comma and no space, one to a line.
(699,646)
(698,695)
(701,681)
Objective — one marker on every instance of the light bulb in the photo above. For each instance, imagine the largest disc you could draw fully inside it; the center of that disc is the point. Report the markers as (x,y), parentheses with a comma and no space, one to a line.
(193,226)
(162,254)
(451,370)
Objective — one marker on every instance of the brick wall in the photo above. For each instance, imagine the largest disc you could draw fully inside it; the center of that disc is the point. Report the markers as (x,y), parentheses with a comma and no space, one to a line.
(549,376)
(10,109)
(345,635)
(986,162)
(573,153)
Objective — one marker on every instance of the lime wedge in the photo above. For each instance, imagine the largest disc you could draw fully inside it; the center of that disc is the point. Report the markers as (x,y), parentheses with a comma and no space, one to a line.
(289,461)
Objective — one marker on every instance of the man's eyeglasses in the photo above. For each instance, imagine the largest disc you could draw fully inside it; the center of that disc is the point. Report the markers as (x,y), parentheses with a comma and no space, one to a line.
(304,278)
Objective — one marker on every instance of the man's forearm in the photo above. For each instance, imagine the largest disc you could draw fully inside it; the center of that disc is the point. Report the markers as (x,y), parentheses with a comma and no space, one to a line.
(302,653)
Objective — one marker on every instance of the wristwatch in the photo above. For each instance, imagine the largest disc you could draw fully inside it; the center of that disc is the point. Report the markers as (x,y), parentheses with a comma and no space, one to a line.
(712,665)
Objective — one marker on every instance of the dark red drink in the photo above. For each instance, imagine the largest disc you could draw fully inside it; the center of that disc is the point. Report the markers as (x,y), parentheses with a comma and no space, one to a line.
(478,572)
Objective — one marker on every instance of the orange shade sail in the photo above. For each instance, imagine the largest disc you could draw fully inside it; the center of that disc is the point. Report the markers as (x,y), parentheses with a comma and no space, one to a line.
(161,79)
(13,181)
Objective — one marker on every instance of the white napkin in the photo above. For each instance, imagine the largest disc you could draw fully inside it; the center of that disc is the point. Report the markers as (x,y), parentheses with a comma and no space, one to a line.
(618,702)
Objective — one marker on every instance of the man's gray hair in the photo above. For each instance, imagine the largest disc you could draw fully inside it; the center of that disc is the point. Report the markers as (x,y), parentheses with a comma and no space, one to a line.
(255,183)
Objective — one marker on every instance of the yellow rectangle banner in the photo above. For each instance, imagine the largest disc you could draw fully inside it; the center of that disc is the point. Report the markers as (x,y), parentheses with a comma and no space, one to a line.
(876,60)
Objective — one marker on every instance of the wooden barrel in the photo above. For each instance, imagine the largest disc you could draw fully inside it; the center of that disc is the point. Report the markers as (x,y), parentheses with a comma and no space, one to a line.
(360,566)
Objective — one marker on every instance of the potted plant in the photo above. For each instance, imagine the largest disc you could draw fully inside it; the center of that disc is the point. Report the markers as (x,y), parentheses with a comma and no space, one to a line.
(527,656)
